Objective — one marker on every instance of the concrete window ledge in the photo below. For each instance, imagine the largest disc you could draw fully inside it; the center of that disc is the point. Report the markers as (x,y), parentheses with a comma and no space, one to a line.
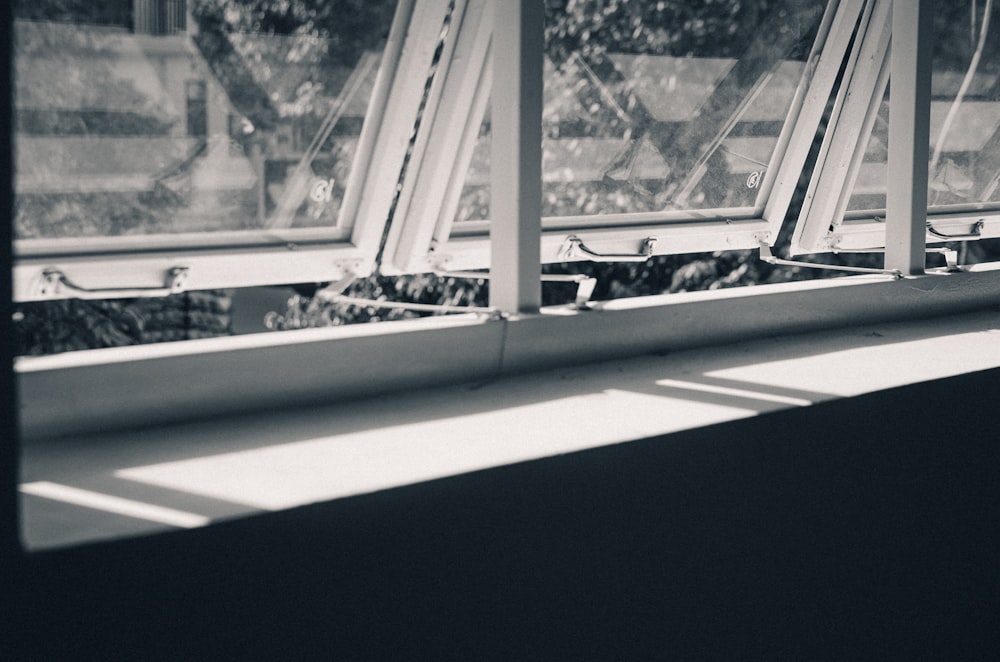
(230,466)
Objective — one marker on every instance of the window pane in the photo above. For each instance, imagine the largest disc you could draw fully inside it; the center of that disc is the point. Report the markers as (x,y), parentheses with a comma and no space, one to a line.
(965,117)
(660,106)
(202,117)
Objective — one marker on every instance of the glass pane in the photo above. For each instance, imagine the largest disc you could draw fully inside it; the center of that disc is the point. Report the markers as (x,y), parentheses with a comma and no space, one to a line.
(161,117)
(660,106)
(965,116)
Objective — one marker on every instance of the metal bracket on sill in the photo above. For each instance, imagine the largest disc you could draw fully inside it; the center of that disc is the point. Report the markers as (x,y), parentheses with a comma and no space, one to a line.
(950,255)
(766,256)
(584,290)
(576,245)
(56,285)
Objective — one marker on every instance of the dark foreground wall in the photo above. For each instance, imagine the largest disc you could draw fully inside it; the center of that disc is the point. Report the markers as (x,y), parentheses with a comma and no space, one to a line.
(865,528)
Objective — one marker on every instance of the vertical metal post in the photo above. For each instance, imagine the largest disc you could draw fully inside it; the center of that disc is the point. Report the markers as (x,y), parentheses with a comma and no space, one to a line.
(516,159)
(909,136)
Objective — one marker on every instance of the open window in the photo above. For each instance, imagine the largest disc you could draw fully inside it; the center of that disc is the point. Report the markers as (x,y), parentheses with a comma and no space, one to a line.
(204,148)
(845,204)
(663,133)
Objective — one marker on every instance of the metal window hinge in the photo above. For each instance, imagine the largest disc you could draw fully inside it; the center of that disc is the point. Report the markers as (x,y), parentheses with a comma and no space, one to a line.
(766,256)
(584,286)
(55,284)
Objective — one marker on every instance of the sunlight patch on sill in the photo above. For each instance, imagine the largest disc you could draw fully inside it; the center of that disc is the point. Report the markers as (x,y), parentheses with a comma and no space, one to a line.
(878,366)
(293,474)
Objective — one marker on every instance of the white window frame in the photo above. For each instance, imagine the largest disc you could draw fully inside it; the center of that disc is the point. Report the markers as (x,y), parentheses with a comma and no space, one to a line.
(424,237)
(114,267)
(79,392)
(824,224)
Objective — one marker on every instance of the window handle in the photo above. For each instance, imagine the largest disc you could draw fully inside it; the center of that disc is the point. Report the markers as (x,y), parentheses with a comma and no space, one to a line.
(975,233)
(56,285)
(645,251)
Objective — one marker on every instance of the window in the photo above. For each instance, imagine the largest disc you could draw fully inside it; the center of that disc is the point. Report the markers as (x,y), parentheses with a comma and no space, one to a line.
(684,134)
(662,133)
(197,108)
(846,203)
(131,180)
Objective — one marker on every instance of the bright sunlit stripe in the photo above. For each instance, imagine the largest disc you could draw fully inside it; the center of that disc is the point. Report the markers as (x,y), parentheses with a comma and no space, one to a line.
(735,392)
(114,504)
(383,456)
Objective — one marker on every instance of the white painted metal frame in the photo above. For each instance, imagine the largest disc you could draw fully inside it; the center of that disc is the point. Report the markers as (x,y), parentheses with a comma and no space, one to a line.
(218,260)
(423,236)
(78,392)
(456,105)
(824,224)
(854,111)
(909,135)
(516,166)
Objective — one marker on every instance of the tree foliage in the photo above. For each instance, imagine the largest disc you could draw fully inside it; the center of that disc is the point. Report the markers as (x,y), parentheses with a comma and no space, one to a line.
(104,12)
(669,27)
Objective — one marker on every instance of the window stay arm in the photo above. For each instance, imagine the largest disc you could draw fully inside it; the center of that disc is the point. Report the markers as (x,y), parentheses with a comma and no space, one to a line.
(767,256)
(584,284)
(490,312)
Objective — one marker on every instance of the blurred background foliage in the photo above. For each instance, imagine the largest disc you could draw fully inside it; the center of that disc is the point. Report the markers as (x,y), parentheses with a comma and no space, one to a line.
(51,327)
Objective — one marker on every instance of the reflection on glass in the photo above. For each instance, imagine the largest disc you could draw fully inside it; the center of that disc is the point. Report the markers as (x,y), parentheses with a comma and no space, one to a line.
(660,106)
(964,150)
(165,116)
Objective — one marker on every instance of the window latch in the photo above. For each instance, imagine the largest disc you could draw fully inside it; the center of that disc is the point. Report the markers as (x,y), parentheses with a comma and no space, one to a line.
(576,245)
(55,284)
(975,233)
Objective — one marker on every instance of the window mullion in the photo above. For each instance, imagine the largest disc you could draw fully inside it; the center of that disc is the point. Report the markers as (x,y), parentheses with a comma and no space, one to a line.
(516,166)
(909,136)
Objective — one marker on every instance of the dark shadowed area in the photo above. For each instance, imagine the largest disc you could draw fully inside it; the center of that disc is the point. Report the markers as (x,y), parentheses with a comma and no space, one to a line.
(864,528)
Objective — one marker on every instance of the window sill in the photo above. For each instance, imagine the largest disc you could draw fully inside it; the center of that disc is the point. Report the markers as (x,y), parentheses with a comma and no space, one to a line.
(238,465)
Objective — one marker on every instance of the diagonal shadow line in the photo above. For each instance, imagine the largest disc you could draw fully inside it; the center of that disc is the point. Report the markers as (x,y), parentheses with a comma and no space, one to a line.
(676,390)
(212,507)
(764,388)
